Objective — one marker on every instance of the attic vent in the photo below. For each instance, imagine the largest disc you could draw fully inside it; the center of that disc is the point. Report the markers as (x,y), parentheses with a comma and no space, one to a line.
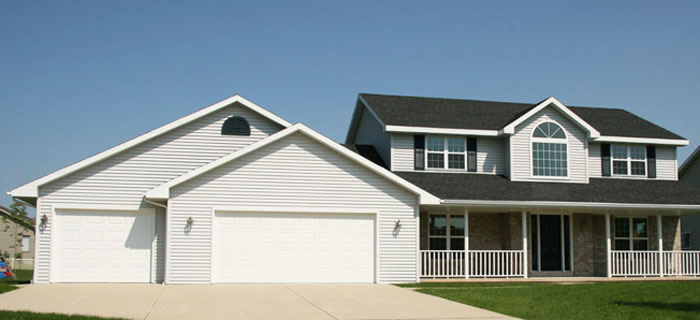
(236,126)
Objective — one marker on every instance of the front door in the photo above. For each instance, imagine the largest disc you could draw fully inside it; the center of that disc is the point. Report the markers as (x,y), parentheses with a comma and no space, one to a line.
(550,252)
(551,242)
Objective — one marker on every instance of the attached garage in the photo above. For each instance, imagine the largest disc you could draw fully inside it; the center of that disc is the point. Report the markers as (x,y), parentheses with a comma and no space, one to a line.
(102,246)
(293,247)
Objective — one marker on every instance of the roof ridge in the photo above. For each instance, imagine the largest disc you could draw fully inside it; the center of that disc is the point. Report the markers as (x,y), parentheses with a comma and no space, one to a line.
(451,99)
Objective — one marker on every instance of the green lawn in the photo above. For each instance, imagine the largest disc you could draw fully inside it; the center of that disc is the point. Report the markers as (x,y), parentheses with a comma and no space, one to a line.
(602,300)
(24,277)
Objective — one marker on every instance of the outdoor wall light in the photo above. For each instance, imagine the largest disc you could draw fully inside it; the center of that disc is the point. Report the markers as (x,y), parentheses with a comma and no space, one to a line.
(397,225)
(190,221)
(44,219)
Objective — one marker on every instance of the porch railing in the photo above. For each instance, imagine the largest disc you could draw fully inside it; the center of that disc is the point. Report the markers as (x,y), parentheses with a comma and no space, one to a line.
(473,263)
(654,263)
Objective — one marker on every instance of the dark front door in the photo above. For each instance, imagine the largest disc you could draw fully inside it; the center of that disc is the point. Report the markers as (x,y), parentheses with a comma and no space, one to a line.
(550,242)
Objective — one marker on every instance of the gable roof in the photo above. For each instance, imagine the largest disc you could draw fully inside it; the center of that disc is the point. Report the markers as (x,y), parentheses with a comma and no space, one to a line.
(492,115)
(488,189)
(25,223)
(688,162)
(31,189)
(551,101)
(163,191)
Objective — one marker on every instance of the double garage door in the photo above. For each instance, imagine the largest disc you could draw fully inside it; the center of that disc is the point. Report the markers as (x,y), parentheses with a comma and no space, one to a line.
(269,247)
(102,246)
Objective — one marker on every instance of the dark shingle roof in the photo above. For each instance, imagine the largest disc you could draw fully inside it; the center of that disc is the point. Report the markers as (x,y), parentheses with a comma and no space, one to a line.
(492,115)
(368,152)
(459,186)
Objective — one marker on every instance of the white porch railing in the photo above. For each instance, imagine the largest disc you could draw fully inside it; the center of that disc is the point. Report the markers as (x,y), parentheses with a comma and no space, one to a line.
(20,264)
(654,263)
(479,263)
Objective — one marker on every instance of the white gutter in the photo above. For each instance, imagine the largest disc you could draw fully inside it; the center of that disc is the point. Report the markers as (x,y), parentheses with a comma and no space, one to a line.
(565,204)
(154,203)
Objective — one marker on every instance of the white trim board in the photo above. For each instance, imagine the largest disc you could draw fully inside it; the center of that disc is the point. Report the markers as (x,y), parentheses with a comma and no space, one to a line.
(428,130)
(673,142)
(592,132)
(31,189)
(566,204)
(163,191)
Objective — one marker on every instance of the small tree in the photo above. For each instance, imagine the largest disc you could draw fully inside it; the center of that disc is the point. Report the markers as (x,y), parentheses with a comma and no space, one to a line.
(19,212)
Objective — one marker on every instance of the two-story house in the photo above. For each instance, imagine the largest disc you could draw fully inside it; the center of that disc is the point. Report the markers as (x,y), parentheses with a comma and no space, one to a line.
(423,188)
(565,190)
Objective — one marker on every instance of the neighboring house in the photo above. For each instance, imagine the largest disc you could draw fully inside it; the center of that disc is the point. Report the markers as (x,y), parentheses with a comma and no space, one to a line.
(16,235)
(423,188)
(689,172)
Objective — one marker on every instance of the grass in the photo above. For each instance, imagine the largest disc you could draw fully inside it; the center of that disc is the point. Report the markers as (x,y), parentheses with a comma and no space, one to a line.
(602,300)
(25,277)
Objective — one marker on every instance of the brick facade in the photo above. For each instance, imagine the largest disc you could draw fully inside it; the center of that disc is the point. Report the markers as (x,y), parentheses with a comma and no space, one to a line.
(503,231)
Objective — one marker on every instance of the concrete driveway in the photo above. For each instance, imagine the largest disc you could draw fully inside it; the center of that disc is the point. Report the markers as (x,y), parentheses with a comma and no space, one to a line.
(239,301)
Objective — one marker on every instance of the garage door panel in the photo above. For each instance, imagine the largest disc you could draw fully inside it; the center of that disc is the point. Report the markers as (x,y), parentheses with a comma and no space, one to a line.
(293,248)
(103,246)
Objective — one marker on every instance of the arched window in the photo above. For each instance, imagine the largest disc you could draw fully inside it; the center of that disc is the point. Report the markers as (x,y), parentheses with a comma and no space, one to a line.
(549,158)
(237,126)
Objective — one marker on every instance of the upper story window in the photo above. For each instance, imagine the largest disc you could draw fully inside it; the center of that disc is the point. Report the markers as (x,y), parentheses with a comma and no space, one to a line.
(629,160)
(446,152)
(549,151)
(237,126)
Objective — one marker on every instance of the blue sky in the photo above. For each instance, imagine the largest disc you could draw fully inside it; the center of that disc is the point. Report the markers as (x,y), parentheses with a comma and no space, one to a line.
(78,77)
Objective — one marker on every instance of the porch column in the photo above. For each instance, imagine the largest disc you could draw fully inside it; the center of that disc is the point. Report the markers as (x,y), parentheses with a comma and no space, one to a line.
(661,245)
(608,244)
(525,266)
(466,243)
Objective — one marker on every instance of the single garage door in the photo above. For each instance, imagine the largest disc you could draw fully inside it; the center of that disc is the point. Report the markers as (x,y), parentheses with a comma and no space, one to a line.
(102,246)
(266,247)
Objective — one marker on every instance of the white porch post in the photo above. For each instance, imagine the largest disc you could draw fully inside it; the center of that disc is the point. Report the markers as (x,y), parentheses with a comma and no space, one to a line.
(524,222)
(661,244)
(608,244)
(466,243)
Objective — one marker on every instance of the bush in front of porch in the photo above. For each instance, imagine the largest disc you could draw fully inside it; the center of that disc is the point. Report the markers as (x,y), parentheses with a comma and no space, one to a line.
(600,300)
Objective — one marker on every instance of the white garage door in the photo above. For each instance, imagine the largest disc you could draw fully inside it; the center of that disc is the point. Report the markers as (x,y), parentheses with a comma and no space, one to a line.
(293,248)
(102,246)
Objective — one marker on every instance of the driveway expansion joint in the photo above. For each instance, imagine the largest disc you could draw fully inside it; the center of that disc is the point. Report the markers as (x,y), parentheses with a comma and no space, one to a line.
(155,302)
(311,303)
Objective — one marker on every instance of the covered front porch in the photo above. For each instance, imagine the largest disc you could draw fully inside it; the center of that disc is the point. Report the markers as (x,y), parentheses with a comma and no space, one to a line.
(462,242)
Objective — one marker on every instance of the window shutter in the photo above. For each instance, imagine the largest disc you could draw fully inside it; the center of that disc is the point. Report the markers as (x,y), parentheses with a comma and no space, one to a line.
(651,161)
(471,154)
(419,152)
(605,159)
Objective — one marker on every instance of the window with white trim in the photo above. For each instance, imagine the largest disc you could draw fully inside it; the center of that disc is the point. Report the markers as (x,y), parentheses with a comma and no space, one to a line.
(445,152)
(25,243)
(631,234)
(629,160)
(446,232)
(549,151)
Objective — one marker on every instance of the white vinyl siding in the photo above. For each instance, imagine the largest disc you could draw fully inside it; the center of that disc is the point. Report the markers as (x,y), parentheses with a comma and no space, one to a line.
(402,152)
(370,132)
(121,180)
(490,156)
(295,173)
(521,168)
(666,163)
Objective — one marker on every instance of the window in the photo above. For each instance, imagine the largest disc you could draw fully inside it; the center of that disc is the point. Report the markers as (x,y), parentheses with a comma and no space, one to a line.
(446,232)
(236,126)
(25,243)
(631,234)
(549,146)
(685,240)
(629,160)
(455,153)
